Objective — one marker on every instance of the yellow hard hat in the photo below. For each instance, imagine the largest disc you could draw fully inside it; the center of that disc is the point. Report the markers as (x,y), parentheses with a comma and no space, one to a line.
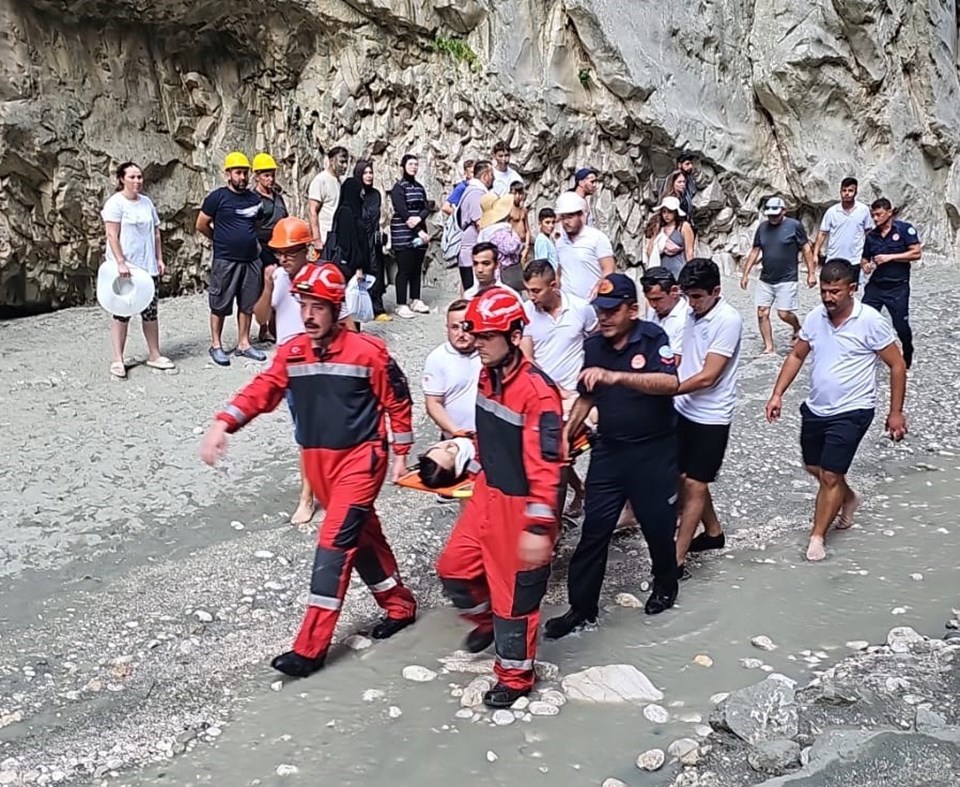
(236,160)
(263,161)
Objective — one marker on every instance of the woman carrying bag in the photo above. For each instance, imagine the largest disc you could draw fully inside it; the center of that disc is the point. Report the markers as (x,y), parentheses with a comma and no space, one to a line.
(408,236)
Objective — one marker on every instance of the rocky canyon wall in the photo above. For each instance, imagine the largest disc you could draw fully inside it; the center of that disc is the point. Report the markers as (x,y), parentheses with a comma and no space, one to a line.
(773,96)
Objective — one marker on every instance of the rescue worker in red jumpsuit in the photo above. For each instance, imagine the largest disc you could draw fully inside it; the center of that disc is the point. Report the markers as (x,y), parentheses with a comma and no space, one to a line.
(496,564)
(344,386)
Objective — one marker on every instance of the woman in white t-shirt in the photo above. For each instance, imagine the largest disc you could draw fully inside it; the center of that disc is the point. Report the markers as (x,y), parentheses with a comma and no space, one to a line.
(133,239)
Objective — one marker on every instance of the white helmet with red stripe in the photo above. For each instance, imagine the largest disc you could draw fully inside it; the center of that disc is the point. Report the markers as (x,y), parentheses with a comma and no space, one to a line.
(320,281)
(496,309)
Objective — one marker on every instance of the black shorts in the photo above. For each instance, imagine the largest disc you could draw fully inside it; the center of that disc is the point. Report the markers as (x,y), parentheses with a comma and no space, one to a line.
(235,281)
(700,449)
(830,442)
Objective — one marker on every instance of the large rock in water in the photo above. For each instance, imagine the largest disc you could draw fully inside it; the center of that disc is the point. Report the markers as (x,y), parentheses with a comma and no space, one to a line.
(772,96)
(762,712)
(613,683)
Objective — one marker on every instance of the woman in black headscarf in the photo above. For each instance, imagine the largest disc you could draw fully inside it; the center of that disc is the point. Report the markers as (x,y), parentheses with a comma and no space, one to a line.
(351,238)
(372,205)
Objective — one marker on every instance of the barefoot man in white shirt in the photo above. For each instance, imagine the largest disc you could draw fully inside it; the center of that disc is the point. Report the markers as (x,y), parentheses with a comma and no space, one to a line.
(553,339)
(846,341)
(290,240)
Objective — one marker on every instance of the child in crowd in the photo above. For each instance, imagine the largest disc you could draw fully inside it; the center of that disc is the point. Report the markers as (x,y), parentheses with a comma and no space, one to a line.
(544,247)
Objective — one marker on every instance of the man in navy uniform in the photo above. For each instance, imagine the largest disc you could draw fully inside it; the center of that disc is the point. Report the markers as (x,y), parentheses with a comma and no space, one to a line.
(888,251)
(629,374)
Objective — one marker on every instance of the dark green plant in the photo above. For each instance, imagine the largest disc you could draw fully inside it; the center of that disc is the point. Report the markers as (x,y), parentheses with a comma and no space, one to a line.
(584,76)
(457,48)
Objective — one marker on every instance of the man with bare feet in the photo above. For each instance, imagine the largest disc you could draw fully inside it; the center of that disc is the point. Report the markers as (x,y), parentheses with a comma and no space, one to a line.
(705,403)
(780,239)
(846,339)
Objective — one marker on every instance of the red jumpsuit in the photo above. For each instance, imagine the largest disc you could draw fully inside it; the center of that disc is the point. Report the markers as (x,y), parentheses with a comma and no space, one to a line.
(519,437)
(341,399)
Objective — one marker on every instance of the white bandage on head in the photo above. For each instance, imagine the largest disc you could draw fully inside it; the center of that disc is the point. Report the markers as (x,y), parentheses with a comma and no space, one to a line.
(465,454)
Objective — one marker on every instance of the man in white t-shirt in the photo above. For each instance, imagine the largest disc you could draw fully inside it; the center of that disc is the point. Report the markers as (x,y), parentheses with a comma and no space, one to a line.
(847,340)
(705,402)
(666,306)
(290,241)
(585,253)
(486,270)
(844,226)
(323,196)
(503,174)
(553,339)
(450,375)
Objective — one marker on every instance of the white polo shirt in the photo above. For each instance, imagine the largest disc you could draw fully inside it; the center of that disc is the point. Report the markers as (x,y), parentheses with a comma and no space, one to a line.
(289,321)
(580,260)
(718,332)
(502,180)
(847,231)
(843,375)
(453,377)
(558,341)
(673,324)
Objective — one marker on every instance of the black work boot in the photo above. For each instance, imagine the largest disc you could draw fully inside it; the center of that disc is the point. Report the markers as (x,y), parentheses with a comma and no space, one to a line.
(387,627)
(704,541)
(563,625)
(662,598)
(501,696)
(479,639)
(296,666)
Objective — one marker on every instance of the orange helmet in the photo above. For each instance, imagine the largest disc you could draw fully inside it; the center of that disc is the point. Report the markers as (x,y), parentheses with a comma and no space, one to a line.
(290,232)
(496,309)
(320,281)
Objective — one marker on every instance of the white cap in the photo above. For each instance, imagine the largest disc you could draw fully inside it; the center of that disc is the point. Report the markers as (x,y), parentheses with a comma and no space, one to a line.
(774,206)
(671,203)
(121,296)
(570,202)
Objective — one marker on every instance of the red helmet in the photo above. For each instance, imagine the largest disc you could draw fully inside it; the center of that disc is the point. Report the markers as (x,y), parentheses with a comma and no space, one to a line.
(320,281)
(496,309)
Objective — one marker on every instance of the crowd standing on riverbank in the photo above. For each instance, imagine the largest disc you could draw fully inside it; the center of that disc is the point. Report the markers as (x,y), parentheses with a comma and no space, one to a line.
(549,345)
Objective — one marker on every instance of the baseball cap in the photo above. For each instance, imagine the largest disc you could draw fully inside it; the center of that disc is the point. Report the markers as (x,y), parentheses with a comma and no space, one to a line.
(774,206)
(583,173)
(686,156)
(570,202)
(616,288)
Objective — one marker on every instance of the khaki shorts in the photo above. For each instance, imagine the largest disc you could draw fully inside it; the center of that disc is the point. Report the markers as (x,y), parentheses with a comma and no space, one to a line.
(784,296)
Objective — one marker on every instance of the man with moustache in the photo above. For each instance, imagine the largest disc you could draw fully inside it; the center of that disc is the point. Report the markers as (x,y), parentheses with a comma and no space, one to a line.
(229,217)
(344,386)
(496,563)
(629,375)
(450,375)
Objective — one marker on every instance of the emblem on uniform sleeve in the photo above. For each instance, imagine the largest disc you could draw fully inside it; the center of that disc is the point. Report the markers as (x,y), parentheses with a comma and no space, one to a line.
(896,236)
(667,356)
(911,231)
(638,361)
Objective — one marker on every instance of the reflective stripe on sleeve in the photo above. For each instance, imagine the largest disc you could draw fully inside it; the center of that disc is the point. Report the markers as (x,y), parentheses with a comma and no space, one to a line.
(403,438)
(331,369)
(539,511)
(526,664)
(236,414)
(324,602)
(388,584)
(500,411)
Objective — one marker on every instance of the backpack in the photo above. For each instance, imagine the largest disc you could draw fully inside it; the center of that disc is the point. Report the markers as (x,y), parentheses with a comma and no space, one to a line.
(452,238)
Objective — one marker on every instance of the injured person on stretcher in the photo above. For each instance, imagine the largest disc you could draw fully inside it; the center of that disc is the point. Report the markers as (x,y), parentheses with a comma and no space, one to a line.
(447,463)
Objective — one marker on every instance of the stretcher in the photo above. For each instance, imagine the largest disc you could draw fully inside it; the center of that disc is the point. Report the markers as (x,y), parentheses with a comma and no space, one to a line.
(460,490)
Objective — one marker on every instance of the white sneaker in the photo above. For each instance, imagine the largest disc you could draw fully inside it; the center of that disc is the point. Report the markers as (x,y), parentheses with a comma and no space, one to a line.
(405,313)
(419,307)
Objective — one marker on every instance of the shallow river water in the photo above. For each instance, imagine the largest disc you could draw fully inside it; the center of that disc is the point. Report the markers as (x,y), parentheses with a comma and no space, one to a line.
(899,566)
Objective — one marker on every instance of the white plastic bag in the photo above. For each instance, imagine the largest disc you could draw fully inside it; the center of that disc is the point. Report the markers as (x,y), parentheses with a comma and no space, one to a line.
(358,302)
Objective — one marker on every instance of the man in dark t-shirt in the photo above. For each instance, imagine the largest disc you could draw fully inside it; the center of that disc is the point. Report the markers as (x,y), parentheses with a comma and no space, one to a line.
(229,217)
(781,240)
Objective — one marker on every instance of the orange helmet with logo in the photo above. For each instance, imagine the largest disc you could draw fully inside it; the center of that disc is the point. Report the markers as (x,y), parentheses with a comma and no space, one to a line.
(320,281)
(289,233)
(496,309)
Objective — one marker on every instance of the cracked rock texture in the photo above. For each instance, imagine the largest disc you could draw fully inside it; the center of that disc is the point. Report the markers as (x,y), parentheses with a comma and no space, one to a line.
(774,96)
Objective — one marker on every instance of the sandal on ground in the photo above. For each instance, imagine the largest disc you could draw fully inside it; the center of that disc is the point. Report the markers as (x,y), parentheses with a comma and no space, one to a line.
(117,369)
(161,363)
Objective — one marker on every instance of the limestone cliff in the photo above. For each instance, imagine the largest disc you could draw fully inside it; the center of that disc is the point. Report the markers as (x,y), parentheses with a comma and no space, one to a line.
(773,95)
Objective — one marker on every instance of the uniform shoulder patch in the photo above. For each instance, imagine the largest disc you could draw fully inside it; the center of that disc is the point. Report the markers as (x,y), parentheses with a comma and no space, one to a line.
(667,355)
(911,231)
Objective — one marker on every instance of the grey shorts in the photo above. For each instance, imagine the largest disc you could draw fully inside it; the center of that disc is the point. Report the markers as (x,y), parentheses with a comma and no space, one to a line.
(235,281)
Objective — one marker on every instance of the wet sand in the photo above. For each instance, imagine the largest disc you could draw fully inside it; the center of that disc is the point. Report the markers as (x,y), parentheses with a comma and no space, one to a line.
(138,620)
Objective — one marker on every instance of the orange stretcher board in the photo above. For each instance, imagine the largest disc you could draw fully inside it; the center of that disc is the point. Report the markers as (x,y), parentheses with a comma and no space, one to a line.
(462,490)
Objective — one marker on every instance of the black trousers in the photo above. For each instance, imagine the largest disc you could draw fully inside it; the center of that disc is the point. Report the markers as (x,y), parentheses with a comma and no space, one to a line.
(897,300)
(409,273)
(646,475)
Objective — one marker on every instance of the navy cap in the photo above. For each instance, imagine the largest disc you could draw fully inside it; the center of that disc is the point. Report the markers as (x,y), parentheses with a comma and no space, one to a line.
(583,173)
(615,288)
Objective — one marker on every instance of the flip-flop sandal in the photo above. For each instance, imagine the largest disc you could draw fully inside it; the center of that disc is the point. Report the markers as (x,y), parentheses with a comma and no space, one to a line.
(161,363)
(118,370)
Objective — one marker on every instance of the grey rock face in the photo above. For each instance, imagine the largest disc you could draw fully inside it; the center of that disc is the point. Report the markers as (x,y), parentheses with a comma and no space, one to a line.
(774,756)
(762,712)
(773,97)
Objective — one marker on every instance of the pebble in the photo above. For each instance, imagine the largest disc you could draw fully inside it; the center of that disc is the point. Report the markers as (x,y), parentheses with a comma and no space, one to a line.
(287,770)
(521,704)
(752,663)
(418,674)
(213,732)
(628,600)
(651,760)
(263,554)
(203,616)
(357,642)
(492,756)
(916,576)
(276,685)
(763,642)
(658,715)
(464,713)
(611,782)
(502,718)
(858,644)
(703,660)
(394,712)
(554,697)
(373,694)
(543,708)
(719,697)
(703,730)
(236,525)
